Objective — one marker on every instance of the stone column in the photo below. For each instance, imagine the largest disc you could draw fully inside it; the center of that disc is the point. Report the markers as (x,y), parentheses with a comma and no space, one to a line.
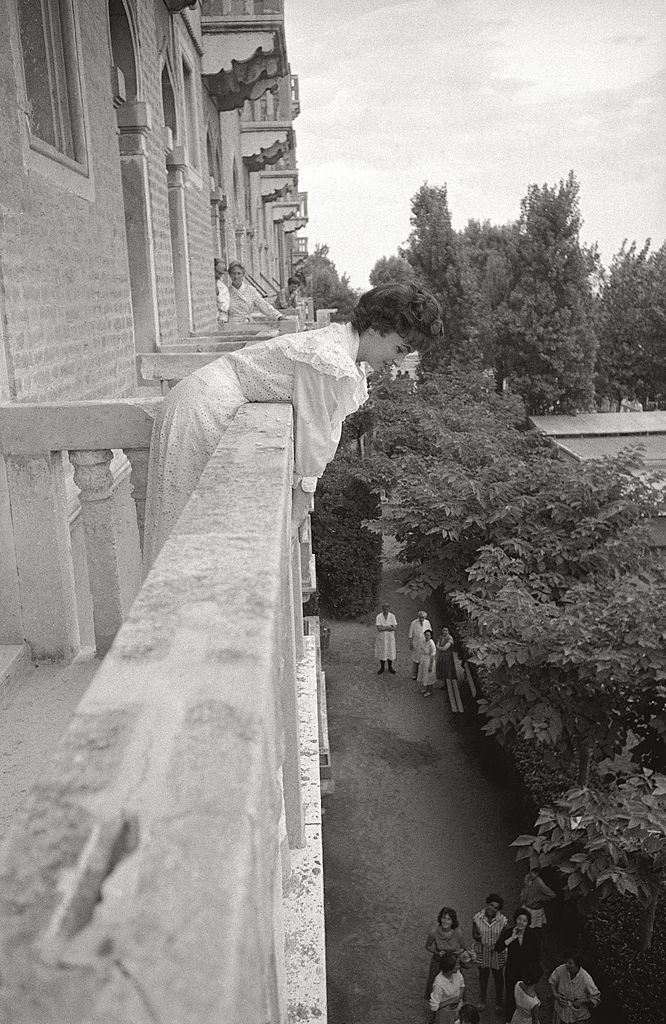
(215,202)
(93,476)
(134,126)
(176,180)
(43,554)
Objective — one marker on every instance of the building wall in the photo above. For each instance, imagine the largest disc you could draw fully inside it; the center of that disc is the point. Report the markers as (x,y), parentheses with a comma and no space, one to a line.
(63,256)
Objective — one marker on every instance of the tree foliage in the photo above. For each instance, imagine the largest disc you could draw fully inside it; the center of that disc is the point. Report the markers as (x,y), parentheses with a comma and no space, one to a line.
(545,330)
(608,839)
(389,269)
(631,360)
(348,552)
(433,252)
(329,290)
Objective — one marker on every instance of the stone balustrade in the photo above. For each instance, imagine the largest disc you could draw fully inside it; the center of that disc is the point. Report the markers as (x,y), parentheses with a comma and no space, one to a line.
(148,876)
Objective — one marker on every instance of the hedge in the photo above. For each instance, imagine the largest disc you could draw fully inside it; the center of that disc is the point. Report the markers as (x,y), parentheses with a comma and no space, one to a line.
(348,553)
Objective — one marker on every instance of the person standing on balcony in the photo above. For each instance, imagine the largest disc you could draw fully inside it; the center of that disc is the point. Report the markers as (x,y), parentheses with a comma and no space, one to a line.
(245,302)
(316,371)
(386,625)
(290,296)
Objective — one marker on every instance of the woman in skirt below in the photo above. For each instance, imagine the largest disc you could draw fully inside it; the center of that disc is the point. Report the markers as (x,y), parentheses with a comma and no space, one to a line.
(426,673)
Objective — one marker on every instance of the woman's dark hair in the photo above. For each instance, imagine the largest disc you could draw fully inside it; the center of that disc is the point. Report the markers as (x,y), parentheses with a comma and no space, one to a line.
(404,308)
(524,912)
(448,961)
(494,898)
(447,910)
(574,955)
(468,1014)
(531,974)
(294,280)
(235,263)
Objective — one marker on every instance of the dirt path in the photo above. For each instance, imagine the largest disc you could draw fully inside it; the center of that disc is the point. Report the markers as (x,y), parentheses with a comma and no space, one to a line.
(413,824)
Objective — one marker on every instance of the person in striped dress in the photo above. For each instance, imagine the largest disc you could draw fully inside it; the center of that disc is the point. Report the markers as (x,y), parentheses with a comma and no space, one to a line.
(486,928)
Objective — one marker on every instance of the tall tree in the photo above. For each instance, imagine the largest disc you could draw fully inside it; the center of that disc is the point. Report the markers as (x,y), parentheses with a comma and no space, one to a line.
(546,333)
(631,360)
(489,252)
(434,253)
(329,290)
(391,268)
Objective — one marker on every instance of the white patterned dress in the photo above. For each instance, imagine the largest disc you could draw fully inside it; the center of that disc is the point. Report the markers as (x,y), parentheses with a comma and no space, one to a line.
(315,371)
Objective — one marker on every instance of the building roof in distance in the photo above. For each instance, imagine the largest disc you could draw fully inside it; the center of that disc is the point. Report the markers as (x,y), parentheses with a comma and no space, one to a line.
(600,424)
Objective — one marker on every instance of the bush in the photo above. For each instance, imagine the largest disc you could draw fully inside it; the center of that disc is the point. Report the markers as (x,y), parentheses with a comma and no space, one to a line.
(348,552)
(633,984)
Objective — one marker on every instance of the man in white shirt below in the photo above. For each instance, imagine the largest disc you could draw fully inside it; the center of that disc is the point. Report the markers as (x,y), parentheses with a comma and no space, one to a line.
(222,293)
(245,302)
(417,628)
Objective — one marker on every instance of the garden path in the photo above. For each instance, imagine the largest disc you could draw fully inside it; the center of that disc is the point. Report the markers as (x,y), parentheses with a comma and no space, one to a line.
(415,822)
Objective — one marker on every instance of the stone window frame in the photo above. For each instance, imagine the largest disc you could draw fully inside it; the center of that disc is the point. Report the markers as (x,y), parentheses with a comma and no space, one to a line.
(39,156)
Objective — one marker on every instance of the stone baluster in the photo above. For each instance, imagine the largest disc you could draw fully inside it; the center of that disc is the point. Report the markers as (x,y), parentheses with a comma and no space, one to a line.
(43,552)
(138,460)
(93,476)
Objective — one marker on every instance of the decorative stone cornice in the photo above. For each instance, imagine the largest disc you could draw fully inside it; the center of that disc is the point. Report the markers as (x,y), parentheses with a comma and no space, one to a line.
(263,143)
(245,80)
(277,184)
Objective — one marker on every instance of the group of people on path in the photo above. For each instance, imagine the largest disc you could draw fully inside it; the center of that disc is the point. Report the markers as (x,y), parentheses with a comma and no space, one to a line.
(511,952)
(432,663)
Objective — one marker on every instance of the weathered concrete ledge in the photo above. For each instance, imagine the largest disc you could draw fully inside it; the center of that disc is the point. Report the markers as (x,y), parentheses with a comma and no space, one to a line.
(143,879)
(304,894)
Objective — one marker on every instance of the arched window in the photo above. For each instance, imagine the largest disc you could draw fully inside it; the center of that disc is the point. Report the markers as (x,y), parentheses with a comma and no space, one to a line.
(169,102)
(122,47)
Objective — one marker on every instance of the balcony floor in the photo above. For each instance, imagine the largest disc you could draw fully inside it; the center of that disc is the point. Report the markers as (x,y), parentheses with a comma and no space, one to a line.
(35,709)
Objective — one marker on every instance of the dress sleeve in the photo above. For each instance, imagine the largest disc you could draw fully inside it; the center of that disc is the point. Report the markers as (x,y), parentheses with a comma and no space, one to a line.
(263,306)
(317,432)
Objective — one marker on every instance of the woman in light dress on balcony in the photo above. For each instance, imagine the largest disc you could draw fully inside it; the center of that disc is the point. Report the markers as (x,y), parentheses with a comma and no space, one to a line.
(316,371)
(245,302)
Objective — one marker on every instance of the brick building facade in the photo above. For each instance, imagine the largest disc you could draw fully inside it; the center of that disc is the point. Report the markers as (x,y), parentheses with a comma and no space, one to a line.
(141,139)
(135,135)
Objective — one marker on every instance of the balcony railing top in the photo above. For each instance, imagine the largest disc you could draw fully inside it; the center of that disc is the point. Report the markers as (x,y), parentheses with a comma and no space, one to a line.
(142,878)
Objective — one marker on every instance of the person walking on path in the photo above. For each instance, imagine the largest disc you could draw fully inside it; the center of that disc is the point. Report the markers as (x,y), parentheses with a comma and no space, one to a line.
(574,991)
(526,1000)
(487,926)
(533,895)
(417,627)
(426,670)
(445,666)
(446,937)
(386,625)
(448,990)
(523,951)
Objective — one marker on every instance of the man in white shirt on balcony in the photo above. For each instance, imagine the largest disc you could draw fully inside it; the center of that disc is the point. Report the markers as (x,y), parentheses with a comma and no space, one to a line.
(245,302)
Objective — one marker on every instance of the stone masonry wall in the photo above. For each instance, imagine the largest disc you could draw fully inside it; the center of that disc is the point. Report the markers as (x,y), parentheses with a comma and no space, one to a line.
(63,258)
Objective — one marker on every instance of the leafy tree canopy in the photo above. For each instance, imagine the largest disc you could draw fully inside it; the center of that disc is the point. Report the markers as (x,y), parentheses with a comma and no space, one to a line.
(631,361)
(389,269)
(329,290)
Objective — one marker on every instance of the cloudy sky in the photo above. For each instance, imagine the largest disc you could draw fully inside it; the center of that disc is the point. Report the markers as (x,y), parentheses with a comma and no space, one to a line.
(486,96)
